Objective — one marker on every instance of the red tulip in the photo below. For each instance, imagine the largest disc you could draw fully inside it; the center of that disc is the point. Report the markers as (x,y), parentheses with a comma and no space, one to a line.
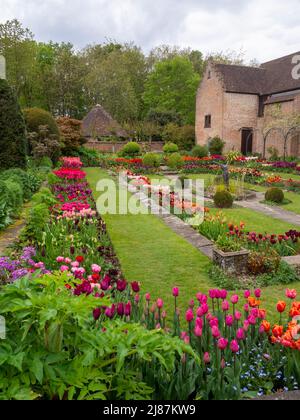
(281,307)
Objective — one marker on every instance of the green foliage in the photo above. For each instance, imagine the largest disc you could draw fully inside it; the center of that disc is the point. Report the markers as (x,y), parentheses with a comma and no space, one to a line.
(285,274)
(29,180)
(170,148)
(182,136)
(4,206)
(44,196)
(163,118)
(223,200)
(200,151)
(89,158)
(172,86)
(227,244)
(13,144)
(36,117)
(232,156)
(152,160)
(131,149)
(175,161)
(216,146)
(38,218)
(275,195)
(54,350)
(15,195)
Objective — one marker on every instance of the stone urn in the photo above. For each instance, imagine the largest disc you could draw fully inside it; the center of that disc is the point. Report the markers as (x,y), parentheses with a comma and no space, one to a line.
(231,262)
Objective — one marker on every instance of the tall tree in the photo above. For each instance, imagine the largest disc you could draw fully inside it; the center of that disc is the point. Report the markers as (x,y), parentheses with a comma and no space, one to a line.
(172,86)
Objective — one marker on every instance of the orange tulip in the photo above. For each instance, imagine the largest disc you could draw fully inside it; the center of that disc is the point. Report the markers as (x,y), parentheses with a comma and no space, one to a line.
(267,326)
(281,306)
(277,331)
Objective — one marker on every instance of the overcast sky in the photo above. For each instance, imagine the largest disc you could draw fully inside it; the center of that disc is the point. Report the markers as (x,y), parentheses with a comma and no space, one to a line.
(263,29)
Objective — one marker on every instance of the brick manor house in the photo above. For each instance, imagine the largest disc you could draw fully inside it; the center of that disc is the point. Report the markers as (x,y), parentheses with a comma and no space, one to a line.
(234,103)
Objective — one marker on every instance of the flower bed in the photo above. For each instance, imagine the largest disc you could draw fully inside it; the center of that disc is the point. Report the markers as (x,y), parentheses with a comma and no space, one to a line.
(82,331)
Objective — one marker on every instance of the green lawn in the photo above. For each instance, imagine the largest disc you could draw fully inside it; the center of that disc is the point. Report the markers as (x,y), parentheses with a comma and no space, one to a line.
(153,254)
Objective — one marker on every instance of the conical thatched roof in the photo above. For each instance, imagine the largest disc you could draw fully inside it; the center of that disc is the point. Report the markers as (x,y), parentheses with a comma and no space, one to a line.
(99,123)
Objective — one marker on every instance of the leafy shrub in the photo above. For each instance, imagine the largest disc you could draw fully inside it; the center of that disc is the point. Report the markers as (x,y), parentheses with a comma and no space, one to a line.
(55,351)
(227,244)
(39,216)
(216,146)
(182,136)
(232,156)
(223,200)
(152,160)
(285,274)
(175,161)
(36,117)
(4,206)
(275,195)
(46,162)
(170,148)
(130,149)
(44,196)
(200,151)
(263,262)
(29,180)
(71,133)
(43,143)
(15,195)
(89,158)
(13,143)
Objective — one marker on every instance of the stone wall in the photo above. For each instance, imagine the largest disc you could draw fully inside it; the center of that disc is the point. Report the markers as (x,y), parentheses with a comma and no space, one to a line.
(115,147)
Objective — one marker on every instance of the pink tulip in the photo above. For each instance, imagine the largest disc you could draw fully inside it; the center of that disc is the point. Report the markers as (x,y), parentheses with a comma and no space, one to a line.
(261,330)
(257,293)
(237,315)
(160,303)
(215,332)
(206,358)
(137,298)
(200,312)
(189,316)
(229,320)
(252,320)
(212,294)
(96,268)
(176,292)
(234,347)
(223,364)
(164,315)
(192,304)
(64,268)
(201,298)
(183,335)
(222,343)
(205,308)
(214,322)
(240,335)
(68,260)
(148,297)
(234,299)
(198,331)
(225,306)
(291,294)
(254,312)
(247,294)
(223,294)
(199,322)
(60,259)
(246,307)
(246,325)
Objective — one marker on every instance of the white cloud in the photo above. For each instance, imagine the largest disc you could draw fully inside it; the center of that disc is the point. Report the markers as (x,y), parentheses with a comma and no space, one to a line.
(264,30)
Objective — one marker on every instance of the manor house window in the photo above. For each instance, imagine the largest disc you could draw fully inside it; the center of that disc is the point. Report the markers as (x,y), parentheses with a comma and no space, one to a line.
(207,122)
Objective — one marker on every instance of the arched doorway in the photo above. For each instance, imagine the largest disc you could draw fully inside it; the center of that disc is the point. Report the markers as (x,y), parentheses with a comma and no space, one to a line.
(247,141)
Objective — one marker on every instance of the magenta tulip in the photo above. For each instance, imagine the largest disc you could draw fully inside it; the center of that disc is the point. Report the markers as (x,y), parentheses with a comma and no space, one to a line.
(225,306)
(234,347)
(176,292)
(189,316)
(222,343)
(240,335)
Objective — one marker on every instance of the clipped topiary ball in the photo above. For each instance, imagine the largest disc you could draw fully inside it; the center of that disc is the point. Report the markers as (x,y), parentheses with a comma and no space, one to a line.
(152,160)
(275,195)
(35,117)
(170,148)
(223,200)
(131,149)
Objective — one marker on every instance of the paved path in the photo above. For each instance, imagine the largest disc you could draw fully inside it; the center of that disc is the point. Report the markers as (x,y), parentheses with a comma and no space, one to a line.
(273,211)
(10,234)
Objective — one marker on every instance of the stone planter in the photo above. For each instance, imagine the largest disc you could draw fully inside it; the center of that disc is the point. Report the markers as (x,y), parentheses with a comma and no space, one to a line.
(231,262)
